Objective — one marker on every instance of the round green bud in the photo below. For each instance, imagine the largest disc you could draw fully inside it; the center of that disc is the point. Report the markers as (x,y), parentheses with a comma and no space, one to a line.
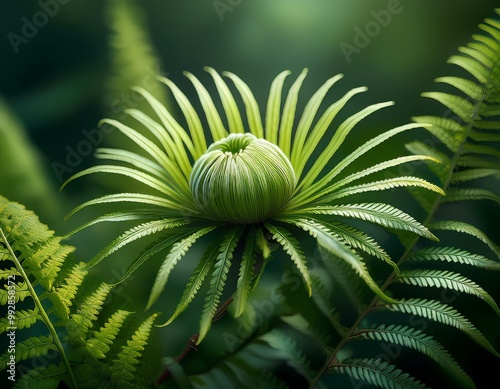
(242,179)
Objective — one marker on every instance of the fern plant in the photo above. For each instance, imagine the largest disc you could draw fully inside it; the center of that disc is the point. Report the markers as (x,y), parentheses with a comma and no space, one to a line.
(468,132)
(377,346)
(41,287)
(250,190)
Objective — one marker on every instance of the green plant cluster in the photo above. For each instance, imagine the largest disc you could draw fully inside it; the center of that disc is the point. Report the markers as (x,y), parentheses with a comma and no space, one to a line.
(349,310)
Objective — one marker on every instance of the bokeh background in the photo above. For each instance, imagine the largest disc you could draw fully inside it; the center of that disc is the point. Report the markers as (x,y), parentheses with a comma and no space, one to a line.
(63,72)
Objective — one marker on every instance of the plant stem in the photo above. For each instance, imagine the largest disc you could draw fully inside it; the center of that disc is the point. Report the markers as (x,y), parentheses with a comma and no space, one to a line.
(41,310)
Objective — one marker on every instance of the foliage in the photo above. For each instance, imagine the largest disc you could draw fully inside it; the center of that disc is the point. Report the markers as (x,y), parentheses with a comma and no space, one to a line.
(45,280)
(356,305)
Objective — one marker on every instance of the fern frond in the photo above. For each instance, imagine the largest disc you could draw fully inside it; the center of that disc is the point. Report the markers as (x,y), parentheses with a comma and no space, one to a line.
(448,280)
(359,240)
(444,314)
(99,344)
(466,228)
(425,344)
(22,319)
(455,255)
(179,249)
(281,342)
(377,373)
(332,246)
(206,264)
(49,376)
(85,317)
(29,348)
(378,213)
(292,248)
(219,276)
(133,234)
(124,366)
(246,274)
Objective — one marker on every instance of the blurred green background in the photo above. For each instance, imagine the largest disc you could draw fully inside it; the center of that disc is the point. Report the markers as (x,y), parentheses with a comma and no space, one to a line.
(66,64)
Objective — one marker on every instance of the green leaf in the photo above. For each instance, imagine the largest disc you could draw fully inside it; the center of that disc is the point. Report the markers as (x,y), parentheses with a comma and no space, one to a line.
(455,255)
(235,123)
(99,344)
(444,314)
(252,108)
(84,319)
(333,246)
(219,276)
(338,138)
(206,264)
(377,373)
(273,107)
(179,249)
(288,116)
(124,366)
(448,280)
(49,376)
(425,344)
(378,213)
(457,226)
(292,247)
(474,174)
(246,273)
(22,319)
(470,194)
(29,348)
(215,124)
(133,234)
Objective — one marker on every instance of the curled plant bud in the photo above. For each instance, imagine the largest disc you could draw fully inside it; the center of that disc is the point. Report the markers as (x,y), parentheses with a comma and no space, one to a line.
(242,179)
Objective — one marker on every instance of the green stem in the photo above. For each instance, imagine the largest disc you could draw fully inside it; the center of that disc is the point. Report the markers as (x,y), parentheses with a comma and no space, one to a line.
(41,311)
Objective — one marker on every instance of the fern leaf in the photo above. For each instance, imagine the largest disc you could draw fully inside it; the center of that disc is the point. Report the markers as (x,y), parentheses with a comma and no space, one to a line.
(444,314)
(382,214)
(22,292)
(179,249)
(45,377)
(29,348)
(199,274)
(135,233)
(219,276)
(292,248)
(457,226)
(83,320)
(124,366)
(474,174)
(448,280)
(288,347)
(22,319)
(377,373)
(471,194)
(64,294)
(359,240)
(246,274)
(455,255)
(441,169)
(333,247)
(425,344)
(99,344)
(391,183)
